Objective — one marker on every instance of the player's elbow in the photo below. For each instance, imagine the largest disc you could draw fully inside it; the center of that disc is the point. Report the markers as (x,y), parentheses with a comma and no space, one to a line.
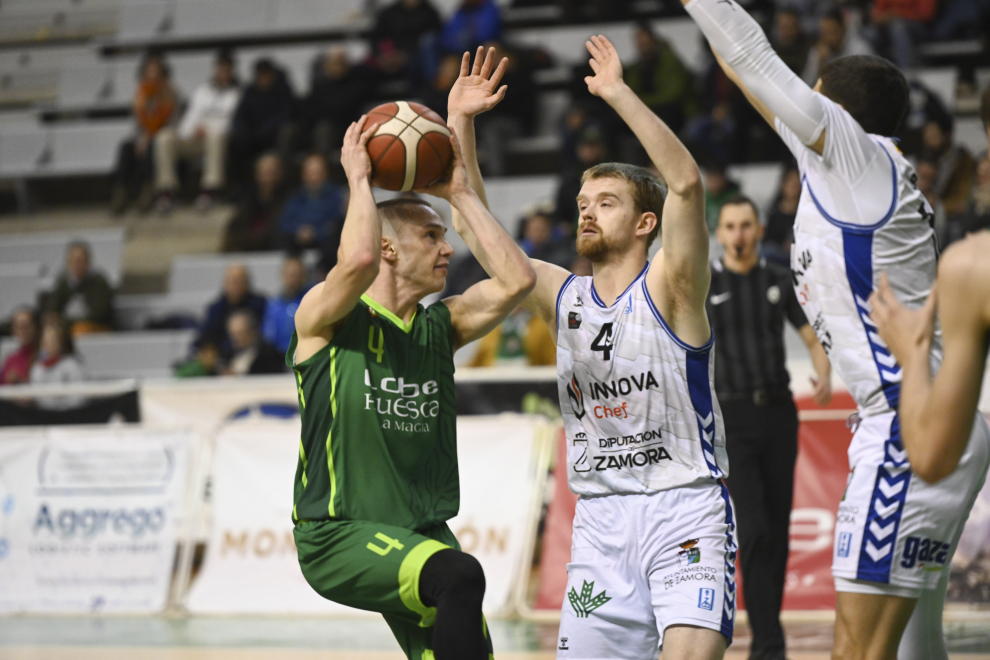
(687,184)
(363,264)
(525,283)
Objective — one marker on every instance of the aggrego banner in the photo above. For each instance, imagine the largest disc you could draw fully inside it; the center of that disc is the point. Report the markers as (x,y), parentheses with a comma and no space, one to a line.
(89,517)
(254,463)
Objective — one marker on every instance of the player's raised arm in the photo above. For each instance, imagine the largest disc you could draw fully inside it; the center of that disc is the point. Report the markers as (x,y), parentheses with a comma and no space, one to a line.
(358,256)
(482,307)
(473,93)
(685,235)
(747,57)
(937,415)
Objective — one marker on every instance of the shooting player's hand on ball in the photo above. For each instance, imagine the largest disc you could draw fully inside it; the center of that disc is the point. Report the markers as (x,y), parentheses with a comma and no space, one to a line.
(354,154)
(454,181)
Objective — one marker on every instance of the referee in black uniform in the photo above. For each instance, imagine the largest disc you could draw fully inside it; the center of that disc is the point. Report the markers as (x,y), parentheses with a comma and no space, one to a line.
(747,304)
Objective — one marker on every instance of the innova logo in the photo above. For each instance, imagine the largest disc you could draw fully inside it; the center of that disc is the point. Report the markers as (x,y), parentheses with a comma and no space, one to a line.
(577,400)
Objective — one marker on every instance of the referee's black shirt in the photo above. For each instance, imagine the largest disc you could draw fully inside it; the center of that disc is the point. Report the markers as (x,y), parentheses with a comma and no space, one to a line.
(747,314)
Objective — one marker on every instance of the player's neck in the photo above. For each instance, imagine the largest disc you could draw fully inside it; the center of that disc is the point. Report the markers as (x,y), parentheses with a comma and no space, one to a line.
(395,295)
(614,276)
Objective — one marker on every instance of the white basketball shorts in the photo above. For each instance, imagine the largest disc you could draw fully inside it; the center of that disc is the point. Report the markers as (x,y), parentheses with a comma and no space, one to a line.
(643,562)
(895,533)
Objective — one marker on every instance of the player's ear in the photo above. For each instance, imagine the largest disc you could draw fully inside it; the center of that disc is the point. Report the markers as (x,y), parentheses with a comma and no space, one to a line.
(647,221)
(389,252)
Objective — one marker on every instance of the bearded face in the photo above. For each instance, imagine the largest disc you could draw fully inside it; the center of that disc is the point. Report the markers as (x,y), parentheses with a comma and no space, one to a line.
(607,223)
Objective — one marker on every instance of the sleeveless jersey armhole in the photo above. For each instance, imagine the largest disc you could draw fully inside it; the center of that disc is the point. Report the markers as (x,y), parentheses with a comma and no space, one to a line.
(290,354)
(560,295)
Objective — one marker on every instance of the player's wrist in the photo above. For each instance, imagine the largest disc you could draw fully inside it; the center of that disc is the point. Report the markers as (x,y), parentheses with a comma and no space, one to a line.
(614,92)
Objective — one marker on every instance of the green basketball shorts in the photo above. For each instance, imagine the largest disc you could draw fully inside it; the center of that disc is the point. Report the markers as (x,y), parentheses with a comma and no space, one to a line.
(375,567)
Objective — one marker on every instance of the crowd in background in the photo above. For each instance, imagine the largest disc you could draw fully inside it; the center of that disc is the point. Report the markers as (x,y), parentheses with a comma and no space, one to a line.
(274,156)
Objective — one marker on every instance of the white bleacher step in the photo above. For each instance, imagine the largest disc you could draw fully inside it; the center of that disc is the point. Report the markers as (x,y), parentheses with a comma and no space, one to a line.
(148,354)
(48,249)
(19,286)
(204,273)
(566,42)
(758,181)
(88,147)
(941,81)
(136,311)
(970,133)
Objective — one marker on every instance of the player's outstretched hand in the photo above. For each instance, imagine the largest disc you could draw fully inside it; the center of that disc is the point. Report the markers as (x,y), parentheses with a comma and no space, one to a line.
(474,91)
(907,332)
(606,65)
(354,154)
(455,180)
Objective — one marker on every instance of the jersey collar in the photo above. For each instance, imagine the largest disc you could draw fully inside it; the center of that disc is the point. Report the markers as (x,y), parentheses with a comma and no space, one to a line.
(381,311)
(601,303)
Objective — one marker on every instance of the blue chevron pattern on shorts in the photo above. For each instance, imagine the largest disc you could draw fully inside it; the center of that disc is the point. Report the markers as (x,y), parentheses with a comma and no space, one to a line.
(729,599)
(876,554)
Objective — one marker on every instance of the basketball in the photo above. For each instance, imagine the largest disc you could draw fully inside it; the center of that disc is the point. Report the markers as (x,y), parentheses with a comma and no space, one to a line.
(410,149)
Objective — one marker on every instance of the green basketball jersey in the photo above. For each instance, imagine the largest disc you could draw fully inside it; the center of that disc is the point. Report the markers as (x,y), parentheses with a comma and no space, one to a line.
(378,421)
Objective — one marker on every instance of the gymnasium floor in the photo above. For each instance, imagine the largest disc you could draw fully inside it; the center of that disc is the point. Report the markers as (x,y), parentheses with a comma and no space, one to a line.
(245,638)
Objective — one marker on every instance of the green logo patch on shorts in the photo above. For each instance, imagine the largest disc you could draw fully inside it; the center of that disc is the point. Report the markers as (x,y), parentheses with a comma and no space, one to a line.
(585,604)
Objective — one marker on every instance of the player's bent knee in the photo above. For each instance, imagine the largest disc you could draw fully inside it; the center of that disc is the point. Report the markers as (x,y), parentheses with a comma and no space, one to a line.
(451,576)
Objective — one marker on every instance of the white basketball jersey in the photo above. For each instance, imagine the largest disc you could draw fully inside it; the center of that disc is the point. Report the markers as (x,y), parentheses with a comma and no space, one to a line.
(860,214)
(638,403)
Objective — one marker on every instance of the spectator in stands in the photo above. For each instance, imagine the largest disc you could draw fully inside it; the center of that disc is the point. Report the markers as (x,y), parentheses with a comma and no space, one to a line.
(898,25)
(779,234)
(153,107)
(16,368)
(264,120)
(923,106)
(204,363)
(927,172)
(513,116)
(591,150)
(314,211)
(956,166)
(474,23)
(254,225)
(789,39)
(236,295)
(719,189)
(82,296)
(249,353)
(660,79)
(714,132)
(56,363)
(337,95)
(280,314)
(539,241)
(985,111)
(399,32)
(201,135)
(835,39)
(521,339)
(977,215)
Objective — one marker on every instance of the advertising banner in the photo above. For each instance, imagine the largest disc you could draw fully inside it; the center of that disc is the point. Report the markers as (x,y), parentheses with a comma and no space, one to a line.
(254,463)
(89,518)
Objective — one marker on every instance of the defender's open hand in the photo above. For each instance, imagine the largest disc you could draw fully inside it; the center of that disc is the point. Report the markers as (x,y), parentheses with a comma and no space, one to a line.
(606,65)
(474,91)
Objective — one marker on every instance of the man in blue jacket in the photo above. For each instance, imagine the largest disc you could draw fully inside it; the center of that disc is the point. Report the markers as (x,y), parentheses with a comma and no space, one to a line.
(311,213)
(280,314)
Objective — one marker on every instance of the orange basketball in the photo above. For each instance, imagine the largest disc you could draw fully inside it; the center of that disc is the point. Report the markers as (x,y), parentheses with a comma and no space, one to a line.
(410,149)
